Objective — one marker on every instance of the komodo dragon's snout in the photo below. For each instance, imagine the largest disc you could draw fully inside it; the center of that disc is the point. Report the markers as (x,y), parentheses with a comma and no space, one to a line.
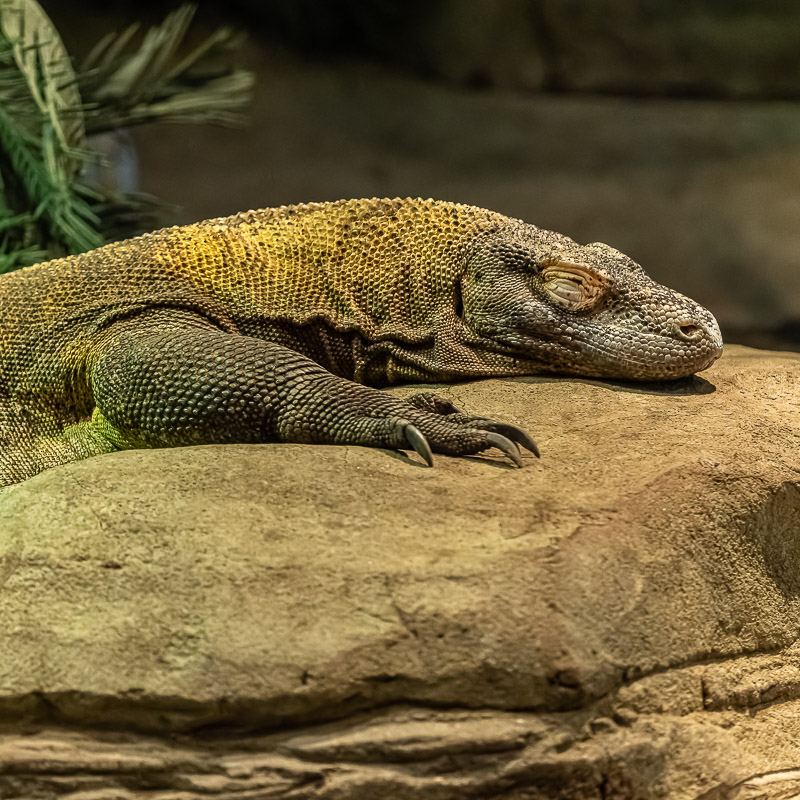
(588,310)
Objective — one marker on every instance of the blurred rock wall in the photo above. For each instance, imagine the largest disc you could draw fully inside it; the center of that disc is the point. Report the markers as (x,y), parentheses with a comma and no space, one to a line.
(724,48)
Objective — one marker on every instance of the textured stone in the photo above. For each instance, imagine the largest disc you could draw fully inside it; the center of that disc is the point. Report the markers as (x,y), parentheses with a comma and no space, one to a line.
(618,619)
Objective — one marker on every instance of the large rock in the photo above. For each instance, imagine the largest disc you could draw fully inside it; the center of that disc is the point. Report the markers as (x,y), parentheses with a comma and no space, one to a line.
(618,619)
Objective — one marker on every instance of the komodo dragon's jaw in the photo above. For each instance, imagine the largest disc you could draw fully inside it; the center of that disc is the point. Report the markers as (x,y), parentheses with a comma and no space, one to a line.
(588,309)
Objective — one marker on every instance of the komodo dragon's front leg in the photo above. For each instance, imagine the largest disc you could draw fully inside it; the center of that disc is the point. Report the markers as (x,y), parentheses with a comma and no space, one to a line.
(171,379)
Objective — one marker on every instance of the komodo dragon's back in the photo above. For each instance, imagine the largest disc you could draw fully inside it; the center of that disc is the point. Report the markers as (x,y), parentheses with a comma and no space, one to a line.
(272,325)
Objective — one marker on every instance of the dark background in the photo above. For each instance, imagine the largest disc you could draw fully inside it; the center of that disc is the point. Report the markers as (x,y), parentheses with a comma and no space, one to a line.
(670,130)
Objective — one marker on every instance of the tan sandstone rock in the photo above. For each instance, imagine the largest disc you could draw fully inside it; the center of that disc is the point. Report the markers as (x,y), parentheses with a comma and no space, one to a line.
(618,619)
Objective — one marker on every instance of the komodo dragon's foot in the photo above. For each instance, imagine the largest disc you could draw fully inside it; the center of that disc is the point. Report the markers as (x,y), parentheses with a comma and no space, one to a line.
(505,437)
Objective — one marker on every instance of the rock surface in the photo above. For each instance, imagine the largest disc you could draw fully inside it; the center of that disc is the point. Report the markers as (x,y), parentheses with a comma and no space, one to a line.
(619,619)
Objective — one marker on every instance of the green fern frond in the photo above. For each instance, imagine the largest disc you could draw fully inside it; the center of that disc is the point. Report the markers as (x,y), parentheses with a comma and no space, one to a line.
(109,49)
(42,186)
(146,85)
(43,61)
(47,109)
(17,248)
(41,140)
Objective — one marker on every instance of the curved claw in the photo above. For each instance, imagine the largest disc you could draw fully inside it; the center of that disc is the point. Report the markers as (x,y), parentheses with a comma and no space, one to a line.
(506,445)
(415,438)
(516,435)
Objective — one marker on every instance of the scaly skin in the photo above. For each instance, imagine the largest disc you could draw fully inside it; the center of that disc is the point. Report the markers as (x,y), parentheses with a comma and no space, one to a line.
(264,326)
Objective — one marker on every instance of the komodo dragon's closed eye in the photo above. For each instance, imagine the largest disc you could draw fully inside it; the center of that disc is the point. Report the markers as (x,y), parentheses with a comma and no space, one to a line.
(275,325)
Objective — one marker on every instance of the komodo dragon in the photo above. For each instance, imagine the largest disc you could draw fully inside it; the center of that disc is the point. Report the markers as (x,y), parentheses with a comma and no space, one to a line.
(273,325)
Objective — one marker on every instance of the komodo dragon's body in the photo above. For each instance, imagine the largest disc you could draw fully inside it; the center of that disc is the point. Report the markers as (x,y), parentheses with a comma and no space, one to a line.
(263,326)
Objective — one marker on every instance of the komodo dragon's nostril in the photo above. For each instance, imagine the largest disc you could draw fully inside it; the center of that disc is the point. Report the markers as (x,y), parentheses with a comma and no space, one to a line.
(690,331)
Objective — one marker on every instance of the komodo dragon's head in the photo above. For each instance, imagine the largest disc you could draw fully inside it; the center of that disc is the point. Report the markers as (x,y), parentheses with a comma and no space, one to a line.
(587,309)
